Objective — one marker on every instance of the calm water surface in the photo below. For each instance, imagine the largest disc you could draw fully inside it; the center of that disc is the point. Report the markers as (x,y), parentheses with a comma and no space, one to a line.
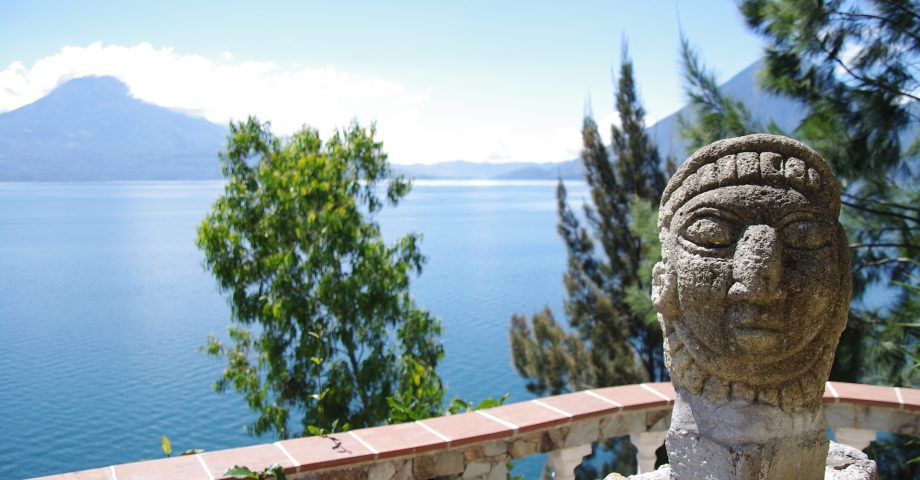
(104,303)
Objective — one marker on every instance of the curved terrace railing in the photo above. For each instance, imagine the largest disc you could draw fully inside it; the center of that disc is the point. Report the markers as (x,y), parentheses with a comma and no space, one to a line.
(479,444)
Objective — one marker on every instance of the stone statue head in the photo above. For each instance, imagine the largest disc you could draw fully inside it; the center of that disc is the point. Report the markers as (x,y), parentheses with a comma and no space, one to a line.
(753,288)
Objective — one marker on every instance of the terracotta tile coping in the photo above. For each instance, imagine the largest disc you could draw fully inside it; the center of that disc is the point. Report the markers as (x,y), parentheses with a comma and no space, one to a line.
(369,444)
(874,395)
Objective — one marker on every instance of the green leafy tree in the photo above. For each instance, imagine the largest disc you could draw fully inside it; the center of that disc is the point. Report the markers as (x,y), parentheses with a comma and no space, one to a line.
(323,324)
(611,340)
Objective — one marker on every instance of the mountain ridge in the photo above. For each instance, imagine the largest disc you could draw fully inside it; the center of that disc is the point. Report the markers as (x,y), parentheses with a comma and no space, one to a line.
(90,128)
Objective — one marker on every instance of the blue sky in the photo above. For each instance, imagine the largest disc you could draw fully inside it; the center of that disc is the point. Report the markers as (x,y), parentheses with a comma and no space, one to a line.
(480,81)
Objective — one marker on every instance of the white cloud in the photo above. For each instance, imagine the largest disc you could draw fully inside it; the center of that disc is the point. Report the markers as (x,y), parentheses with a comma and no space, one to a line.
(322,97)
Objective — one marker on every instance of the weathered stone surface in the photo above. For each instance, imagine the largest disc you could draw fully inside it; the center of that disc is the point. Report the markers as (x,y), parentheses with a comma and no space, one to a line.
(663,473)
(581,433)
(847,463)
(477,469)
(752,293)
(537,442)
(496,448)
(843,463)
(523,447)
(423,467)
(499,472)
(615,476)
(753,288)
(381,471)
(553,439)
(437,465)
(403,469)
(348,474)
(473,453)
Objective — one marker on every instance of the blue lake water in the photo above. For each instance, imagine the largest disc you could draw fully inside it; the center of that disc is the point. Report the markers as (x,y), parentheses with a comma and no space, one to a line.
(104,303)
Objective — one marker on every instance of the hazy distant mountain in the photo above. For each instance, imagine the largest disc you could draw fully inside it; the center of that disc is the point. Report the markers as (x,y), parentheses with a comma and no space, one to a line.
(766,108)
(90,128)
(459,169)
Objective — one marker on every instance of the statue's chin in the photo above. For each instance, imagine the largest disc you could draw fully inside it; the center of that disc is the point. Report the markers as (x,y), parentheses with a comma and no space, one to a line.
(758,344)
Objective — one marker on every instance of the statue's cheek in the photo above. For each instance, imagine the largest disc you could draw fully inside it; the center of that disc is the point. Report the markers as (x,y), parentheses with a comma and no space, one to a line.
(703,280)
(813,291)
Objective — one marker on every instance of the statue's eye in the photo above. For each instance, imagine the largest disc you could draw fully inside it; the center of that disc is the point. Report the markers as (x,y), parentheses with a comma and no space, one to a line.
(709,232)
(806,235)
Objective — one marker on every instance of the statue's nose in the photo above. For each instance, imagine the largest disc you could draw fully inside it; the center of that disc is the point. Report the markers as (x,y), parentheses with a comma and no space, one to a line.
(757,266)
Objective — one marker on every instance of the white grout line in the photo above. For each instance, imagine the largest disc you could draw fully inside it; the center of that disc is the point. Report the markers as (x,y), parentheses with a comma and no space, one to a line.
(286,453)
(897,391)
(112,470)
(204,466)
(830,386)
(550,407)
(362,442)
(498,420)
(437,433)
(600,397)
(656,392)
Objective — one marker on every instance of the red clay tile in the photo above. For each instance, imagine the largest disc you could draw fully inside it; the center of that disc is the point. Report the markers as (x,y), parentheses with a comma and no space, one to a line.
(256,458)
(580,405)
(185,467)
(314,453)
(527,416)
(94,474)
(631,396)
(467,428)
(828,396)
(866,394)
(400,439)
(911,398)
(664,388)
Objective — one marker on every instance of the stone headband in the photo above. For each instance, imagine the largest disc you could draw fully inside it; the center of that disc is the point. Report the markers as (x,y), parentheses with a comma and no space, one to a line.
(758,159)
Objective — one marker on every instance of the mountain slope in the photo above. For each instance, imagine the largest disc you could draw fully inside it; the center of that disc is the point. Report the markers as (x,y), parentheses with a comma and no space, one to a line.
(459,169)
(90,128)
(764,107)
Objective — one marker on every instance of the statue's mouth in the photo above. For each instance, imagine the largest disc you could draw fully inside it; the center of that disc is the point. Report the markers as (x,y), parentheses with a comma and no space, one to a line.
(750,318)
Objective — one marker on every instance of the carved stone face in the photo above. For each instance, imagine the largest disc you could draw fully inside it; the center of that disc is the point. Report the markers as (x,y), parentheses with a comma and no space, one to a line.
(753,288)
(757,271)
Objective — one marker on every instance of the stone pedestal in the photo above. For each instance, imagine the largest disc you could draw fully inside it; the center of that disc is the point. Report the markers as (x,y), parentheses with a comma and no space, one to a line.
(744,441)
(843,462)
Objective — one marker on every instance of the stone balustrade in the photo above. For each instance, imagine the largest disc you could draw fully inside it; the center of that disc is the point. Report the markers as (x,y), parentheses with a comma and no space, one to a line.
(479,444)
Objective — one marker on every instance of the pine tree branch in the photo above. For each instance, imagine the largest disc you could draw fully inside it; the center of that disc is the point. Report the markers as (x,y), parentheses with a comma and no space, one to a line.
(901,8)
(885,245)
(869,16)
(881,212)
(881,202)
(886,261)
(866,80)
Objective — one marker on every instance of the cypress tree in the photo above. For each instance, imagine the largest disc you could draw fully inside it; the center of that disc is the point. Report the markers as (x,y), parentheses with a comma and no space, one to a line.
(610,340)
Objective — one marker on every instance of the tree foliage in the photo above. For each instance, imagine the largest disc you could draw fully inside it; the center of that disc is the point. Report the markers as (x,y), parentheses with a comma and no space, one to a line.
(611,341)
(714,115)
(323,325)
